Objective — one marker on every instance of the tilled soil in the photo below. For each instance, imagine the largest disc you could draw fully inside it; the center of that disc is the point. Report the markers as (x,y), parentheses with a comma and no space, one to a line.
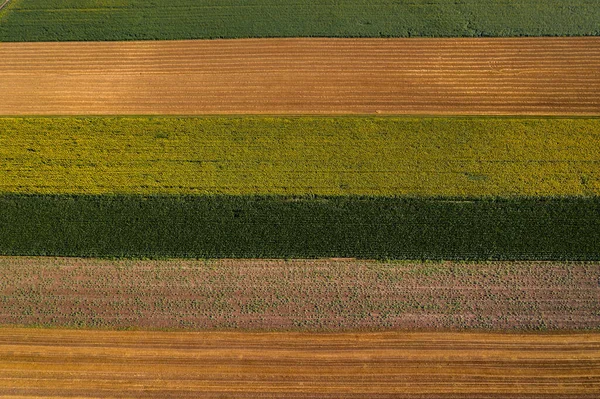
(305,295)
(524,76)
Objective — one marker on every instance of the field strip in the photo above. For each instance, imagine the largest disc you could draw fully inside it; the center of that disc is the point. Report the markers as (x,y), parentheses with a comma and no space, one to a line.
(66,363)
(285,227)
(441,156)
(85,20)
(545,76)
(306,295)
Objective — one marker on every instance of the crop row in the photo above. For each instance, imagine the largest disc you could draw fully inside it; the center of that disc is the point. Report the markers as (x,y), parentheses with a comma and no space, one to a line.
(302,294)
(300,227)
(467,156)
(43,20)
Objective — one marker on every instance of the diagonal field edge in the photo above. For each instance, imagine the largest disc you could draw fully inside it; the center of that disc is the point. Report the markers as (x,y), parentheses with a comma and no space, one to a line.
(519,76)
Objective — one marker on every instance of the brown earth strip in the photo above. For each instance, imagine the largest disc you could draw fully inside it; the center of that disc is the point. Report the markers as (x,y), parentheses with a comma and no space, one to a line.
(307,295)
(303,76)
(134,364)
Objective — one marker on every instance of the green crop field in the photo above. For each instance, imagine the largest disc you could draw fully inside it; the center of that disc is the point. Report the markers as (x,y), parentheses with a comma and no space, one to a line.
(51,20)
(299,227)
(471,156)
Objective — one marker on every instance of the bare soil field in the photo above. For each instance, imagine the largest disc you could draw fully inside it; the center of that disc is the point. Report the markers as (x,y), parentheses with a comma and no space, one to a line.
(134,364)
(545,76)
(300,295)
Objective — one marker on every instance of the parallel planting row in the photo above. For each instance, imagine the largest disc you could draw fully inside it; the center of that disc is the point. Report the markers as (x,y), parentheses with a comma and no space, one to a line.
(401,365)
(259,187)
(300,227)
(50,20)
(444,190)
(374,156)
(513,76)
(304,295)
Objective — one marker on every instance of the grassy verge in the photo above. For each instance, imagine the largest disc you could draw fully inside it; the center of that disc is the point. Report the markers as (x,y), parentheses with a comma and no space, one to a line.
(50,20)
(387,156)
(300,227)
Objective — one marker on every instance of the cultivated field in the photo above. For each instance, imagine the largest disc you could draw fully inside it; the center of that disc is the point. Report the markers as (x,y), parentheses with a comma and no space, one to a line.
(49,20)
(100,364)
(328,199)
(468,156)
(303,76)
(306,295)
(301,227)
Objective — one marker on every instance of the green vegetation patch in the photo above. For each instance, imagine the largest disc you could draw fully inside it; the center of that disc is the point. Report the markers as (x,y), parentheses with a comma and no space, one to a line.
(300,227)
(379,156)
(59,20)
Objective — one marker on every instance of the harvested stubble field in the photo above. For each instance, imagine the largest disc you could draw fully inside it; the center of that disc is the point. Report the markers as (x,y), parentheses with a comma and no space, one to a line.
(130,364)
(49,20)
(548,76)
(306,295)
(466,156)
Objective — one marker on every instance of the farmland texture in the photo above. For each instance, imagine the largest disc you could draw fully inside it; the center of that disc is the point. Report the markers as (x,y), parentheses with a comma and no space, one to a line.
(131,364)
(301,227)
(50,20)
(550,76)
(469,156)
(307,295)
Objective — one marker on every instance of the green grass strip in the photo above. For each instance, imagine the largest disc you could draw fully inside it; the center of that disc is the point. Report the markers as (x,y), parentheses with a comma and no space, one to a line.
(59,20)
(297,227)
(374,156)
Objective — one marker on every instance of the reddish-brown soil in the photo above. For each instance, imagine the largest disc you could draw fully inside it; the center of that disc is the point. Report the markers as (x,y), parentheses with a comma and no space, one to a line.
(101,364)
(317,295)
(303,76)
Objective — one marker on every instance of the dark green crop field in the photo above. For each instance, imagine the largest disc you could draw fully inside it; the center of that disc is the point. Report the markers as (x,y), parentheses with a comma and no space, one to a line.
(300,227)
(58,20)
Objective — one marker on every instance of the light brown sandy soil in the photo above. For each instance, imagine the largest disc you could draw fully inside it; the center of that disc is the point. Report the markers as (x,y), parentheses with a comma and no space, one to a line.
(101,364)
(303,76)
(317,295)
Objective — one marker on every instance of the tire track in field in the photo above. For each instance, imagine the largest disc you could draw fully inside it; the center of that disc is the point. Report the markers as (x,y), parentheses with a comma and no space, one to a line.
(545,76)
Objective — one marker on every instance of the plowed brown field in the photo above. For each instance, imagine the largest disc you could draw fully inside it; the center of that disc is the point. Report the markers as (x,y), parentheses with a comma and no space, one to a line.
(303,76)
(100,364)
(308,295)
